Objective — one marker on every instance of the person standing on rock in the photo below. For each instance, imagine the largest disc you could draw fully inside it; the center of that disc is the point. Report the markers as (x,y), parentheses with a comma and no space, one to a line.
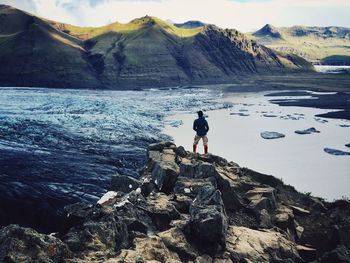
(201,127)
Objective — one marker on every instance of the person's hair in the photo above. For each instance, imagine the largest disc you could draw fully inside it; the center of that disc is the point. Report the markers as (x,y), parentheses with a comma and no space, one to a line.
(200,113)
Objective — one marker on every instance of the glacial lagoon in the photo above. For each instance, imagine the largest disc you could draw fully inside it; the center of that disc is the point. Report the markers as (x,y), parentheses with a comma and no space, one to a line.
(298,159)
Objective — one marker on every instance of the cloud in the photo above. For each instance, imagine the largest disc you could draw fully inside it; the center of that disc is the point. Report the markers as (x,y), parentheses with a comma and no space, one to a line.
(244,15)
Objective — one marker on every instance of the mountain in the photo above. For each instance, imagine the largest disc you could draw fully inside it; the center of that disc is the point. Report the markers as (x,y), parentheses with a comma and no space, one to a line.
(190,24)
(319,45)
(268,31)
(144,52)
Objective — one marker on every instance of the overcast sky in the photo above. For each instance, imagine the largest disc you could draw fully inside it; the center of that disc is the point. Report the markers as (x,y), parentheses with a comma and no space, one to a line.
(244,15)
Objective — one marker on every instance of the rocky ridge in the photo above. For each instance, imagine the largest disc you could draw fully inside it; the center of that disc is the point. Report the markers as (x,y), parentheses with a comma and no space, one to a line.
(188,207)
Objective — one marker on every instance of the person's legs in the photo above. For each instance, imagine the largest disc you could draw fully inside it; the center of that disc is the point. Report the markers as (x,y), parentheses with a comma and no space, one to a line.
(205,143)
(195,142)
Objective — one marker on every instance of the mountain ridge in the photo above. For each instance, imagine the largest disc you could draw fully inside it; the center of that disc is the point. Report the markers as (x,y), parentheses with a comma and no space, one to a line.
(146,52)
(319,45)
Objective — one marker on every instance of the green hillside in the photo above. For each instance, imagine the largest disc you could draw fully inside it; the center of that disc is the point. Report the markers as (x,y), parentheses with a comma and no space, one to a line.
(144,52)
(316,44)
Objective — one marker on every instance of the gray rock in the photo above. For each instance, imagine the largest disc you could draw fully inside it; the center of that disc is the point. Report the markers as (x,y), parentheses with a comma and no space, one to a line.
(197,170)
(124,183)
(208,220)
(164,175)
(180,151)
(261,198)
(307,131)
(161,210)
(248,245)
(335,152)
(160,146)
(99,232)
(20,244)
(191,187)
(176,241)
(271,135)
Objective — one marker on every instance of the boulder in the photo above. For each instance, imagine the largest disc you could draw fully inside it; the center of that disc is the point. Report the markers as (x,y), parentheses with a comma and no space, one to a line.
(20,244)
(168,155)
(261,198)
(123,183)
(198,170)
(101,231)
(164,175)
(161,210)
(284,218)
(208,220)
(176,241)
(230,187)
(190,187)
(180,151)
(160,146)
(248,245)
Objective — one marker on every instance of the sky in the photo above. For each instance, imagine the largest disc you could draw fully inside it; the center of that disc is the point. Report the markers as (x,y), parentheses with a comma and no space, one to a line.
(244,15)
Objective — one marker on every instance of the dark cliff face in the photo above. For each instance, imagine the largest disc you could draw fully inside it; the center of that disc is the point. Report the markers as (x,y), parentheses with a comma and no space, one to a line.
(144,52)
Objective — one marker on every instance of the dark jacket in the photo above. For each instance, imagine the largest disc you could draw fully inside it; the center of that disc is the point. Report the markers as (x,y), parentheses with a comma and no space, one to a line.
(201,126)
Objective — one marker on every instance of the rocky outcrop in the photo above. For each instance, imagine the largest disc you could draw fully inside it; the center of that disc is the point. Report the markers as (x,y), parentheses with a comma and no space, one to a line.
(188,207)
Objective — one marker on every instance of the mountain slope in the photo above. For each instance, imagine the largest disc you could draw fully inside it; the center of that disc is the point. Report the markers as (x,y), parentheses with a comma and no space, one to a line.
(144,52)
(316,44)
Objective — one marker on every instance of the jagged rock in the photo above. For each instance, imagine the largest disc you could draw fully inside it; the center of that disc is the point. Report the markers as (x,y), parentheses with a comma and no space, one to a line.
(261,198)
(180,151)
(265,219)
(197,170)
(300,211)
(229,186)
(160,146)
(161,210)
(165,175)
(124,183)
(248,245)
(284,218)
(307,253)
(147,249)
(101,231)
(132,210)
(190,187)
(20,244)
(208,220)
(155,156)
(168,155)
(176,241)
